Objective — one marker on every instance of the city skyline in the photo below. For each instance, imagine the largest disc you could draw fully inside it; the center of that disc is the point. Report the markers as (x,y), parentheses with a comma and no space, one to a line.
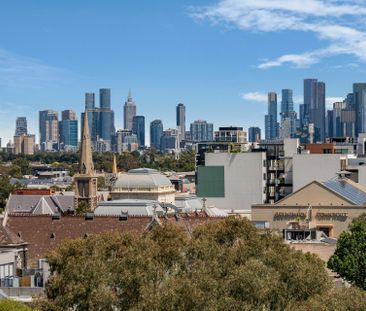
(46,64)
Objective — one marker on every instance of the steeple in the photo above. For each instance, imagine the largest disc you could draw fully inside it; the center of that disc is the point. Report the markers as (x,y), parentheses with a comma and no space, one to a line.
(129,97)
(114,167)
(86,160)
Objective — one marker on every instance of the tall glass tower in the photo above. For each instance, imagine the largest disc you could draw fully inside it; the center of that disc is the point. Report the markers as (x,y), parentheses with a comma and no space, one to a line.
(271,124)
(129,111)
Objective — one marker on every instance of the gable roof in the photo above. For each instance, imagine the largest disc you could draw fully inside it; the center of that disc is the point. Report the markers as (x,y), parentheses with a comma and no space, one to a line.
(27,203)
(324,196)
(8,237)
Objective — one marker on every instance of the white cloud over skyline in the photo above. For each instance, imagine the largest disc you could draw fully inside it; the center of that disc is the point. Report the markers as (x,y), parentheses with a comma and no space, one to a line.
(339,24)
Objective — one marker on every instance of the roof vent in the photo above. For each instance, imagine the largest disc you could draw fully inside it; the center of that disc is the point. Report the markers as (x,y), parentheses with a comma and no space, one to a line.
(123,216)
(176,217)
(53,236)
(56,216)
(89,216)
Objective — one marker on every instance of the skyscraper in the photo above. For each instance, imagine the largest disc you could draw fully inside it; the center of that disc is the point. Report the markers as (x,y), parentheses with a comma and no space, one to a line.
(287,103)
(105,98)
(181,121)
(129,111)
(202,131)
(288,115)
(254,134)
(89,101)
(314,101)
(156,132)
(69,129)
(21,126)
(359,93)
(48,129)
(271,124)
(139,130)
(106,118)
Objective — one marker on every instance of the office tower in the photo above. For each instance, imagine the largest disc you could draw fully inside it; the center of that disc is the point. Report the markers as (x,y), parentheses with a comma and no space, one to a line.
(181,121)
(105,98)
(21,126)
(120,139)
(139,130)
(89,101)
(314,101)
(288,115)
(106,118)
(359,93)
(329,122)
(302,115)
(48,129)
(169,141)
(156,132)
(24,144)
(129,111)
(68,115)
(69,129)
(232,134)
(201,131)
(349,101)
(271,124)
(287,103)
(254,134)
(338,107)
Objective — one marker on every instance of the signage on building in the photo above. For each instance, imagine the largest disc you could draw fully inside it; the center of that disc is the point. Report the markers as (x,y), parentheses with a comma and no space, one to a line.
(289,216)
(332,216)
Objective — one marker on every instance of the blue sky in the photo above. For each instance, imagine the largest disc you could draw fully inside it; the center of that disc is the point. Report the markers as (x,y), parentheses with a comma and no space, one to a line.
(217,57)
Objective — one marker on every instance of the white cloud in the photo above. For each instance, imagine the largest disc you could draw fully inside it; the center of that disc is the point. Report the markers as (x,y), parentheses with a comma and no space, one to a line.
(258,97)
(338,23)
(331,100)
(19,71)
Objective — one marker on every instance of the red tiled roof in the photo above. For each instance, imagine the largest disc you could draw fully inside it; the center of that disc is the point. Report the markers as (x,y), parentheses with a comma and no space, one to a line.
(42,233)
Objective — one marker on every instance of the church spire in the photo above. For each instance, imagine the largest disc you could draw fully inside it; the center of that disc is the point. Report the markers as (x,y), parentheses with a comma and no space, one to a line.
(114,167)
(86,160)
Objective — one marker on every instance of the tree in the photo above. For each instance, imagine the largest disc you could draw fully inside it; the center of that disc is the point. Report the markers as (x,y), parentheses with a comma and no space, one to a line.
(349,259)
(225,265)
(5,189)
(11,305)
(83,207)
(345,299)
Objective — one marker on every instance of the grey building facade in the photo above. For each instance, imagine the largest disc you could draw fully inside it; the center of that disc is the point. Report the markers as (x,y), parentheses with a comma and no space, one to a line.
(156,132)
(129,111)
(139,130)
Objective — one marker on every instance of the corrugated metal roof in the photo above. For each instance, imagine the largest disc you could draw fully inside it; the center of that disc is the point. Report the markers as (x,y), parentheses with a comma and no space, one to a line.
(347,190)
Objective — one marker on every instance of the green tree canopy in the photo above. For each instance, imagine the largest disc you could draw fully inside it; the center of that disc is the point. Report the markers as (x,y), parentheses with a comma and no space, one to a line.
(349,258)
(225,265)
(11,305)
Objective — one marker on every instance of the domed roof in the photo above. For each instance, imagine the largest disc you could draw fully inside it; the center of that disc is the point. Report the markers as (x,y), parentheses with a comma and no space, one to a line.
(142,178)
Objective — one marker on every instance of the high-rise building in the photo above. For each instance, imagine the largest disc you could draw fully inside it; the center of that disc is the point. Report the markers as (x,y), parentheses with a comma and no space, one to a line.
(24,144)
(169,141)
(104,121)
(139,130)
(254,134)
(105,98)
(89,101)
(359,93)
(48,129)
(232,134)
(288,115)
(287,103)
(21,126)
(156,132)
(129,111)
(314,101)
(69,129)
(271,124)
(181,121)
(201,131)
